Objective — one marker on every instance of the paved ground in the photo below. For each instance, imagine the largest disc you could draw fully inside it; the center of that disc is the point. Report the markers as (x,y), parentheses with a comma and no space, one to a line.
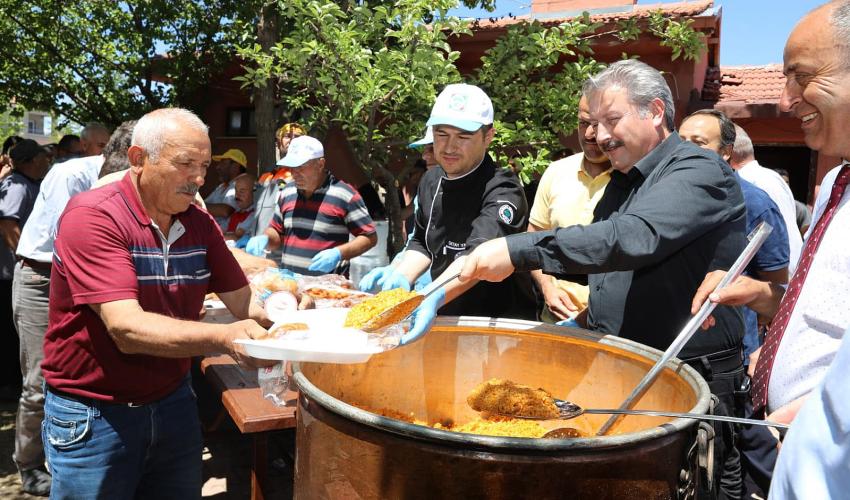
(227,456)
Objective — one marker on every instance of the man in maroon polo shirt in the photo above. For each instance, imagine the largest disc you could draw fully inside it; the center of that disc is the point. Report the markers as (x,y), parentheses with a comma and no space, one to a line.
(132,263)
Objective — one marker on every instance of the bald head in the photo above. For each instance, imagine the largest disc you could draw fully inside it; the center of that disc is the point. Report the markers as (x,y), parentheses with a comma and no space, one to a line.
(93,138)
(816,63)
(153,131)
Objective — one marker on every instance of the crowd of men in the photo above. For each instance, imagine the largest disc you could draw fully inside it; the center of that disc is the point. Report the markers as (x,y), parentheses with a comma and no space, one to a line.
(108,251)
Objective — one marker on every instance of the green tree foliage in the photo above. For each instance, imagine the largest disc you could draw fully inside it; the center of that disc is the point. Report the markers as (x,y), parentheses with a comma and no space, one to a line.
(370,70)
(11,123)
(373,70)
(534,76)
(106,60)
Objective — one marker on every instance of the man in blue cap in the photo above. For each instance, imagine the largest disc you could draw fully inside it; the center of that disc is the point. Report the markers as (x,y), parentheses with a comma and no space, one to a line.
(316,214)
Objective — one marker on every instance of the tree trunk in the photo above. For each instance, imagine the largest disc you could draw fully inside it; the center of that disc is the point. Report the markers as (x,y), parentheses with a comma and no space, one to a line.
(267,35)
(395,236)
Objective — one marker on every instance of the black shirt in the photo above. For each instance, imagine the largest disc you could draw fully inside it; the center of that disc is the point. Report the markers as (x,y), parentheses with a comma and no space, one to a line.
(457,215)
(678,214)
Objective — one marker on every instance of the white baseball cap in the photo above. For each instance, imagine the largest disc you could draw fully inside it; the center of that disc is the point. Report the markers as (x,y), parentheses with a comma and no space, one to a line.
(301,150)
(428,139)
(464,106)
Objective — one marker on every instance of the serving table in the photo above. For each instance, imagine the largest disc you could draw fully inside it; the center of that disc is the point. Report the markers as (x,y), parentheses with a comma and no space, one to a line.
(253,415)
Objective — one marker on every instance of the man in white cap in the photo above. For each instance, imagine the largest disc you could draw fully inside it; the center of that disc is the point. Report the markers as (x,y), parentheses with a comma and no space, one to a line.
(221,203)
(427,145)
(464,201)
(316,214)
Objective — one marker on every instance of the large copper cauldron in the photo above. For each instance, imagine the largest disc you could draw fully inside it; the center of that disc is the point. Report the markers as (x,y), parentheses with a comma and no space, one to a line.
(344,452)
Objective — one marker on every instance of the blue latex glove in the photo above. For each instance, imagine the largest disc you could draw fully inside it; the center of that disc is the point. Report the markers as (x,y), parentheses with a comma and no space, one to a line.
(424,316)
(422,281)
(570,322)
(394,280)
(325,261)
(243,241)
(372,281)
(257,245)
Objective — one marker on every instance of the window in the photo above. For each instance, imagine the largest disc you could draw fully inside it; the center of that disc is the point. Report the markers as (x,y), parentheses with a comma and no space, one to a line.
(241,122)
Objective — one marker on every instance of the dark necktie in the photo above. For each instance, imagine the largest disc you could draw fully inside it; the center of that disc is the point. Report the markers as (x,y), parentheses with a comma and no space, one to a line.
(764,366)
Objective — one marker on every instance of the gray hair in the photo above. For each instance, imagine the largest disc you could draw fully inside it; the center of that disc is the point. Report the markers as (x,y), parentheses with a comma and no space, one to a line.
(151,131)
(839,18)
(743,149)
(91,128)
(115,152)
(642,82)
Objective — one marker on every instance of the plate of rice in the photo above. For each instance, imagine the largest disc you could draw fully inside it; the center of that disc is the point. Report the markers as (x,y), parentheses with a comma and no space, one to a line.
(320,335)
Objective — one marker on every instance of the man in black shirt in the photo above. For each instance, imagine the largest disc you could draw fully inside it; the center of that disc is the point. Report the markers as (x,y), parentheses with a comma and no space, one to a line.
(463,202)
(671,211)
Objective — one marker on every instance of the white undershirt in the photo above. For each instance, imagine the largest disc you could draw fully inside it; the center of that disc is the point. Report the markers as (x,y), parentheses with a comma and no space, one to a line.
(822,312)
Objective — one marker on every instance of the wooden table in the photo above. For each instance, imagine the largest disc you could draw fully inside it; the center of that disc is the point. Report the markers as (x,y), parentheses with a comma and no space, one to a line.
(252,414)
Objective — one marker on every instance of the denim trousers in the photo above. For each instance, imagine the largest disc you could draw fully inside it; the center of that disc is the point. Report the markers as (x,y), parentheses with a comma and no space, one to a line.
(106,450)
(30,292)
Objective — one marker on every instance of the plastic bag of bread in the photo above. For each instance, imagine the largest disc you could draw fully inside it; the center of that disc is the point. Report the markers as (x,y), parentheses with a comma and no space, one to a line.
(331,290)
(278,292)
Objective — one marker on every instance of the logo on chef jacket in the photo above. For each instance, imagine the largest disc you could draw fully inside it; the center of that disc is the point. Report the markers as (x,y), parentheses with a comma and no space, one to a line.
(506,213)
(454,246)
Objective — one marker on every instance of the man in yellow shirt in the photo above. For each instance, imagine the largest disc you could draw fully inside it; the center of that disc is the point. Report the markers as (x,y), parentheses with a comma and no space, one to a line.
(566,196)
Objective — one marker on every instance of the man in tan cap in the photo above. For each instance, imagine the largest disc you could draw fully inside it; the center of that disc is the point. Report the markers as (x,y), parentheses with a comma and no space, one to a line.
(221,203)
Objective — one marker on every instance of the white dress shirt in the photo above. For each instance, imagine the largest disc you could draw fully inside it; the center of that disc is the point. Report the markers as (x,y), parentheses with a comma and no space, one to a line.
(63,181)
(821,314)
(813,461)
(775,186)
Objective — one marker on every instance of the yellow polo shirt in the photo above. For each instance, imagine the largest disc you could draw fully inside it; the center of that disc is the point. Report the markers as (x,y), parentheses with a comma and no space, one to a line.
(566,196)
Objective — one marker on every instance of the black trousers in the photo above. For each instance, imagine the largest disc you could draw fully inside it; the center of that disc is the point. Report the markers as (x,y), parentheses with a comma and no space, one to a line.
(10,364)
(758,454)
(724,372)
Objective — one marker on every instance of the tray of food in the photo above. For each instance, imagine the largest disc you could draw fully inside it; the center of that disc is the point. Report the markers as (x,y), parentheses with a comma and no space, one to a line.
(317,335)
(330,335)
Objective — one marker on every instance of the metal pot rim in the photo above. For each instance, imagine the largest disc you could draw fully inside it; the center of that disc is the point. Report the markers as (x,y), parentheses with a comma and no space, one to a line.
(497,443)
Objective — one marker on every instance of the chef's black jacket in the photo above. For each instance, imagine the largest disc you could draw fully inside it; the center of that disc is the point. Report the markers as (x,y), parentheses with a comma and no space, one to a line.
(457,215)
(676,215)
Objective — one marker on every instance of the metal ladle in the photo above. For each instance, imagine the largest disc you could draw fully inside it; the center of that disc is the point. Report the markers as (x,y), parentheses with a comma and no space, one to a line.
(756,237)
(568,410)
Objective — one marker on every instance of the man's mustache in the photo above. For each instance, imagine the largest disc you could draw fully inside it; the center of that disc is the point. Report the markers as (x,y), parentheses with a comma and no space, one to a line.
(190,189)
(610,145)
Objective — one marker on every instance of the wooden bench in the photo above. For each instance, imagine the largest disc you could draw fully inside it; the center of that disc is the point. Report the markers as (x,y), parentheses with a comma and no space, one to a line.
(241,397)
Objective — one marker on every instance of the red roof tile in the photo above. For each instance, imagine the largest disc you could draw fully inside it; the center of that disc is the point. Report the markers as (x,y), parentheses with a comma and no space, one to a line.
(675,10)
(744,84)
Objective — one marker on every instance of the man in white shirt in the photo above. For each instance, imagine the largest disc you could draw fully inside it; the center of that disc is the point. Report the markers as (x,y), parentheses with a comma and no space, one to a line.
(813,462)
(810,320)
(31,287)
(743,160)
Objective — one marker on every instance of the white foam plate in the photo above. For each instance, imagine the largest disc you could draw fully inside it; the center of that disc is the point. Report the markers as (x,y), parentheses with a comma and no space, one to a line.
(326,341)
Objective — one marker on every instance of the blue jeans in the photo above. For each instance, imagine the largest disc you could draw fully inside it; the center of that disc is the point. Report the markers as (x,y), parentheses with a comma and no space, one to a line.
(102,450)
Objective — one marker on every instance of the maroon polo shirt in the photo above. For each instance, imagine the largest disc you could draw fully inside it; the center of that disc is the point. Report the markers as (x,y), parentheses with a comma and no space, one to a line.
(108,249)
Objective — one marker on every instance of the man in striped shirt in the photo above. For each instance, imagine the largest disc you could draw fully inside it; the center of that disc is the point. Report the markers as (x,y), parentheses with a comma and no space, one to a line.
(317,212)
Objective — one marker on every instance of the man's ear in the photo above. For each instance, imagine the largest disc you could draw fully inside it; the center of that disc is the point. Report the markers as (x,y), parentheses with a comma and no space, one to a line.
(488,136)
(657,112)
(136,155)
(726,153)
